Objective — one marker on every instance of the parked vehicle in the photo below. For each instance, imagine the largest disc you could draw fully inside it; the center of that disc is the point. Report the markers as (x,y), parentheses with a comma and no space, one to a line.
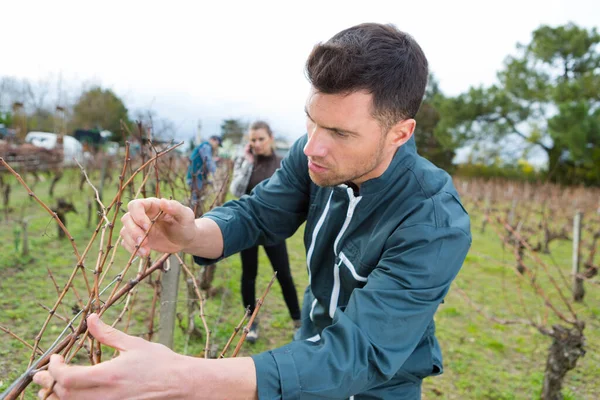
(72,148)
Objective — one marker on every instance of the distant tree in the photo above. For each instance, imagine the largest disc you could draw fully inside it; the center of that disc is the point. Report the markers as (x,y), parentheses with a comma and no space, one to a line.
(13,90)
(548,95)
(233,129)
(99,109)
(428,144)
(33,112)
(35,106)
(41,120)
(161,128)
(6,119)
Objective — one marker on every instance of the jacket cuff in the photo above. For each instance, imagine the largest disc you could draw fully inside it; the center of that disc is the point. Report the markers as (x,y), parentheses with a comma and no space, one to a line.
(276,375)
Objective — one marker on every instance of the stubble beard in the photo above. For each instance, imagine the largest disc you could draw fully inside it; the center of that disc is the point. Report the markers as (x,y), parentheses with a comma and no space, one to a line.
(359,171)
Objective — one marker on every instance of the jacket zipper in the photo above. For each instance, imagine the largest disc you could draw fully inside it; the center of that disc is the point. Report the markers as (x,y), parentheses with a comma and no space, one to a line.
(335,292)
(314,236)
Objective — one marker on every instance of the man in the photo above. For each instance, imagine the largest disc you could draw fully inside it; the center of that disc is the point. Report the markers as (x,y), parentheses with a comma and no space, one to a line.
(201,164)
(385,236)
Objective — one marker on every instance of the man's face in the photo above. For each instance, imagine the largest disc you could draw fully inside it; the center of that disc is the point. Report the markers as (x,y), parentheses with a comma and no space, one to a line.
(345,143)
(214,144)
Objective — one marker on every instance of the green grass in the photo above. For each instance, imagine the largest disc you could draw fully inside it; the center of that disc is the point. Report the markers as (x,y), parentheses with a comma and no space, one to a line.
(482,359)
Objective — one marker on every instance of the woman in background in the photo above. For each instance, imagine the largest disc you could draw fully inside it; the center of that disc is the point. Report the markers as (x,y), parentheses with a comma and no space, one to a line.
(258,163)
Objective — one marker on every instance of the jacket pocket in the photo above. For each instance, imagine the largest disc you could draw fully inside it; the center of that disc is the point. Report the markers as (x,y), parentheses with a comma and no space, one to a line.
(436,357)
(351,272)
(350,277)
(424,361)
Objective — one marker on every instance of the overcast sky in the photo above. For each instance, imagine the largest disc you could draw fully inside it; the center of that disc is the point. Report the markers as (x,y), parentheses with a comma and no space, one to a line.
(210,60)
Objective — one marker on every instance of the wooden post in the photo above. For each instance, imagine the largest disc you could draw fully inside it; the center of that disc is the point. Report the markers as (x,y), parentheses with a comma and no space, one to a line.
(6,195)
(513,210)
(486,214)
(102,178)
(578,291)
(89,213)
(25,248)
(168,302)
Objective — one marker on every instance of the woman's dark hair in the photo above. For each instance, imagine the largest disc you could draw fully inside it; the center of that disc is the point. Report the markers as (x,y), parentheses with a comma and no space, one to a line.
(376,58)
(261,125)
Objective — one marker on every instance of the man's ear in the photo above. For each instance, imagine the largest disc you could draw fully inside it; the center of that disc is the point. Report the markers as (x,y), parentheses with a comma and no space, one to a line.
(401,132)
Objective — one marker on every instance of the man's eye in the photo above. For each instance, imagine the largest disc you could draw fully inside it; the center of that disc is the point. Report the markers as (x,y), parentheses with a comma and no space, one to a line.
(340,134)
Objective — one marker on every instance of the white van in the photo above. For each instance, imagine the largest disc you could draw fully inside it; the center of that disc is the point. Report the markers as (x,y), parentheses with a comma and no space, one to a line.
(73,149)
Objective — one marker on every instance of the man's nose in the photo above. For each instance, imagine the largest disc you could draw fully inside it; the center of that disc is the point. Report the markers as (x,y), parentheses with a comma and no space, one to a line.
(316,146)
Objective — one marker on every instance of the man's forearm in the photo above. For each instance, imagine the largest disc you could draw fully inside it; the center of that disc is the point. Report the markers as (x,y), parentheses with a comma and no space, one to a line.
(228,378)
(208,239)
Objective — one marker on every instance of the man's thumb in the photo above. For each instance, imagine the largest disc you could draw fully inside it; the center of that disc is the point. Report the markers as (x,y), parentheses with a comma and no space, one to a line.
(110,336)
(176,210)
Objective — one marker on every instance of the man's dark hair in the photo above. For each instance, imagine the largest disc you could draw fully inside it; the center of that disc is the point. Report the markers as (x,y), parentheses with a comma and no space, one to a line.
(261,125)
(377,58)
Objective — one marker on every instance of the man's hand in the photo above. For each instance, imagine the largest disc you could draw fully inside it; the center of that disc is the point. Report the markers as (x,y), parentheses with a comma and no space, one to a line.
(145,370)
(142,370)
(172,232)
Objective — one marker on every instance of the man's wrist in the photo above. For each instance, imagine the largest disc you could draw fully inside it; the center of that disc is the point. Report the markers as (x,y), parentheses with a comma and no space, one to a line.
(191,245)
(229,378)
(191,372)
(207,239)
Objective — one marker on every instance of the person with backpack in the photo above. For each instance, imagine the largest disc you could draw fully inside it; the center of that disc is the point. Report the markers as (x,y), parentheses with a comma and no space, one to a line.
(202,163)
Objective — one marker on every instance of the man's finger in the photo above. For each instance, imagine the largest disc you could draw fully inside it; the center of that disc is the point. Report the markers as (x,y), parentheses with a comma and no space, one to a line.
(42,395)
(143,251)
(176,210)
(131,227)
(73,376)
(43,378)
(110,336)
(131,231)
(142,210)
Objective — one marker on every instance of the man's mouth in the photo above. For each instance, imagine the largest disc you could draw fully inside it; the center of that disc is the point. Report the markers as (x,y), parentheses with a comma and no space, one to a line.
(316,168)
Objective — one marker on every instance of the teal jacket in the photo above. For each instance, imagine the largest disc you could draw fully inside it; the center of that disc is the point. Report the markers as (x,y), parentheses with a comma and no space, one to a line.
(201,163)
(379,264)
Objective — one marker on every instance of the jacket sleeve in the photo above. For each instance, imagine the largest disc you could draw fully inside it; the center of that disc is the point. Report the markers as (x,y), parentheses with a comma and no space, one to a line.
(209,162)
(242,171)
(272,213)
(372,338)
